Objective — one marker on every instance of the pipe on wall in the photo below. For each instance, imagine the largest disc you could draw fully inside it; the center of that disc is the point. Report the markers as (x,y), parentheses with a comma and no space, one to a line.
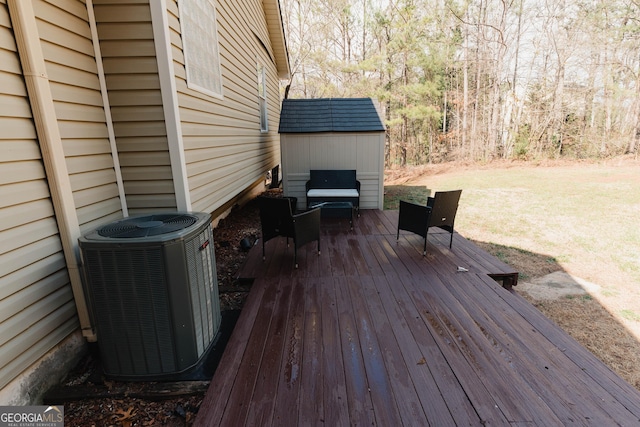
(107,107)
(33,65)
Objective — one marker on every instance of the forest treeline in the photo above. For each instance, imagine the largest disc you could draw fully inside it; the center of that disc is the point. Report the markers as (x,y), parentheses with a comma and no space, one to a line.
(477,79)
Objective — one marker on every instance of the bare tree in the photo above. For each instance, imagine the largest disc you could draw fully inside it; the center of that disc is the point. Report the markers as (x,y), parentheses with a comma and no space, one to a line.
(477,79)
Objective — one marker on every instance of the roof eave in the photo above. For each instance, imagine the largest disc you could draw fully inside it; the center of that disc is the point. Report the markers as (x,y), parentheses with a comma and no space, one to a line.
(273,16)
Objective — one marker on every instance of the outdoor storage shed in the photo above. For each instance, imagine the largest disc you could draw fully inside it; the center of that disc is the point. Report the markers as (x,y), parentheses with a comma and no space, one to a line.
(332,133)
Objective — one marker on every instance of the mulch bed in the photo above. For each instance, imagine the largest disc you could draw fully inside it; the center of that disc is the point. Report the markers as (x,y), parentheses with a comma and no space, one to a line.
(90,399)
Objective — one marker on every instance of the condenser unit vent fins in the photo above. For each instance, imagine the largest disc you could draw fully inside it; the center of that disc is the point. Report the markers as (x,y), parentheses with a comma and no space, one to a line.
(150,225)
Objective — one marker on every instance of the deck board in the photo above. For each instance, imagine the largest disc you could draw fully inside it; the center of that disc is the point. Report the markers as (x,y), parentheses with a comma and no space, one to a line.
(285,403)
(335,403)
(437,388)
(311,379)
(371,332)
(388,353)
(513,342)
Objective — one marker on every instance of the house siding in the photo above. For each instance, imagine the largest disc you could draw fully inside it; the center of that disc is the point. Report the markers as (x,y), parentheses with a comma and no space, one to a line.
(67,46)
(36,303)
(225,151)
(131,71)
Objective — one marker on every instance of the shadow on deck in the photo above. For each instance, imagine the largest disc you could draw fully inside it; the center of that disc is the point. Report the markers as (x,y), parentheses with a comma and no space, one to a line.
(372,333)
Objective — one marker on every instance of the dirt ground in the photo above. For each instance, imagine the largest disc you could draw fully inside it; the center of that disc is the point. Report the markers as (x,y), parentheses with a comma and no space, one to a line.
(567,301)
(579,315)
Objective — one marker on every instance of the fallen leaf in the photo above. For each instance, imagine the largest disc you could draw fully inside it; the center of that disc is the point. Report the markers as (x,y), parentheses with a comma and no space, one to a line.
(124,416)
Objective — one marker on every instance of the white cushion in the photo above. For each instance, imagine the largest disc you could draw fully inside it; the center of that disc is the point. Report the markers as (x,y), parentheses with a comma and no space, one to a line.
(331,192)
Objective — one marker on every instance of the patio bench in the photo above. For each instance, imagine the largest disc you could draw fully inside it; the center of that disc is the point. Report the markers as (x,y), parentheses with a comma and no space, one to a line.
(339,185)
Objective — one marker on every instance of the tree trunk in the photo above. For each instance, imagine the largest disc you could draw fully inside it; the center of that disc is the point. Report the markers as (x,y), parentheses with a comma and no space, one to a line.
(465,90)
(635,133)
(512,120)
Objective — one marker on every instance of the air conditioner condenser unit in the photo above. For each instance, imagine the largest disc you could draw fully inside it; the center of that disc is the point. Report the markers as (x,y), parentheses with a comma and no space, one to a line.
(152,287)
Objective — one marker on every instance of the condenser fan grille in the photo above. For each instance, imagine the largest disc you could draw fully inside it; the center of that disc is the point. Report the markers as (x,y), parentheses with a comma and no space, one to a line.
(146,226)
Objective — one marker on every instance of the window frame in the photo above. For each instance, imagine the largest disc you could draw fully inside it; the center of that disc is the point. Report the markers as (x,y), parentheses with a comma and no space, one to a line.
(262,97)
(203,72)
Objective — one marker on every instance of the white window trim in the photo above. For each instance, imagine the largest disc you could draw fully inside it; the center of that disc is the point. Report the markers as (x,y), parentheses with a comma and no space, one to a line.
(190,61)
(263,107)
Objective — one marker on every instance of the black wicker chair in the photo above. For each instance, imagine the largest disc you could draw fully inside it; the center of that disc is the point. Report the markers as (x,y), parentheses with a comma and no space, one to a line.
(277,219)
(440,212)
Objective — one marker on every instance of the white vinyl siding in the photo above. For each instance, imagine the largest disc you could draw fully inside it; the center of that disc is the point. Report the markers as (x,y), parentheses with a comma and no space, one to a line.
(225,151)
(67,46)
(36,303)
(131,69)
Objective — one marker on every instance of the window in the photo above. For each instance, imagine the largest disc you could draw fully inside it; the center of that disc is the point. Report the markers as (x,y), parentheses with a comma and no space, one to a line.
(262,98)
(200,46)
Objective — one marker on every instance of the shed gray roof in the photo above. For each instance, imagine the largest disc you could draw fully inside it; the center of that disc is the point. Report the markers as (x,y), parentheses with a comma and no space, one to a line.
(329,115)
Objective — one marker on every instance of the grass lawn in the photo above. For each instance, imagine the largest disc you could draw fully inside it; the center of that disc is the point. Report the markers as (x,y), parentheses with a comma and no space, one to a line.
(582,218)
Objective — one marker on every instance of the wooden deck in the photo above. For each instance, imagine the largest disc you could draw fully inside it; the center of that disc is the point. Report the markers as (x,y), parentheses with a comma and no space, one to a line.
(372,333)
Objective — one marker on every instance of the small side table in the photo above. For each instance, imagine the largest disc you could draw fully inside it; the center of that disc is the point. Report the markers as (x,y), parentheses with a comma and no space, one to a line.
(335,210)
